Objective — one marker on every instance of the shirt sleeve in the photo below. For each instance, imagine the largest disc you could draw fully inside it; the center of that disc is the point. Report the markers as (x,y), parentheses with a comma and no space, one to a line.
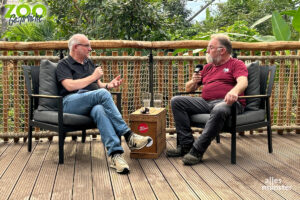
(63,71)
(240,69)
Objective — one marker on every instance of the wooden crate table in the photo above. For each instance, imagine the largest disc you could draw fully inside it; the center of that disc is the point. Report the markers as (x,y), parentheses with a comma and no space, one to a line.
(153,125)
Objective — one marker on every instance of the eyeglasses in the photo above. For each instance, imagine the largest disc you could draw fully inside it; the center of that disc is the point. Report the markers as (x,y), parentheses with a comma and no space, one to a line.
(212,47)
(85,45)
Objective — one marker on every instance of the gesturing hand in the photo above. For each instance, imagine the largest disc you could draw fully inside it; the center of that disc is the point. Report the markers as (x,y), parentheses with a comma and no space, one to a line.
(116,82)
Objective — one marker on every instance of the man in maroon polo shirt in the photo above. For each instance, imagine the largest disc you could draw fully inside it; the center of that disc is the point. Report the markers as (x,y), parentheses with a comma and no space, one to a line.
(224,78)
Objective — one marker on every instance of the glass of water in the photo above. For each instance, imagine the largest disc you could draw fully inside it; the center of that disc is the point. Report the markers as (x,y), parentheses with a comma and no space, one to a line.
(158,99)
(146,98)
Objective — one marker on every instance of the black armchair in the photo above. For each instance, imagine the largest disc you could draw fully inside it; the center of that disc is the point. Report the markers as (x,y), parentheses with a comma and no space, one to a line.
(257,110)
(46,107)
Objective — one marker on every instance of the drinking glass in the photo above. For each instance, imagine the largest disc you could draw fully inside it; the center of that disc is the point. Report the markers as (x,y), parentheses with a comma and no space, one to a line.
(158,99)
(146,98)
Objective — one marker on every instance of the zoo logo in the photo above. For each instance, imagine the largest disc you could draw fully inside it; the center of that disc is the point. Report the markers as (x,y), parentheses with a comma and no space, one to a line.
(28,9)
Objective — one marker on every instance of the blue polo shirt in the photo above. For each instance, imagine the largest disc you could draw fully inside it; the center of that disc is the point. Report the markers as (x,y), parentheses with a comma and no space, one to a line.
(68,68)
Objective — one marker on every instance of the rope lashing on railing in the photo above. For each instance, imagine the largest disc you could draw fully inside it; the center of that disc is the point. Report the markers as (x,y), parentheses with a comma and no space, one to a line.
(145,58)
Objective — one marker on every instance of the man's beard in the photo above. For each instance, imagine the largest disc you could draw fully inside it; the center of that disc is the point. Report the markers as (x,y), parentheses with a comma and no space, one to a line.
(210,59)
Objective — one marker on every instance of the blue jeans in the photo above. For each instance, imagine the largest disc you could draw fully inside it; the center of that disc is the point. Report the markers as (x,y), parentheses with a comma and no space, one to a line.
(99,105)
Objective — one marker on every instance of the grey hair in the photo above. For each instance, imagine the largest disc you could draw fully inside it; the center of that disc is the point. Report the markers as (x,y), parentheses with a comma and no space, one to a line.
(74,39)
(224,40)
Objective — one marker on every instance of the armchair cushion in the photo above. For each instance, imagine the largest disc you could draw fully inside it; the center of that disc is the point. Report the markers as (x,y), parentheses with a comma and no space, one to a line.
(253,86)
(246,117)
(68,118)
(47,85)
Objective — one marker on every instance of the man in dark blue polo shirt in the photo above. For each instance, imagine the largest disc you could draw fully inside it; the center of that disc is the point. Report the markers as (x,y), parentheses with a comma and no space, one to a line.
(85,94)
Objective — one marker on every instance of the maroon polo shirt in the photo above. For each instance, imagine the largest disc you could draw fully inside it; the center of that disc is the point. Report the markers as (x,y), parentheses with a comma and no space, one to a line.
(219,80)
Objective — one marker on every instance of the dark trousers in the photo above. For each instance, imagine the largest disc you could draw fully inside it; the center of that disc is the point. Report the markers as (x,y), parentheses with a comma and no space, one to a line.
(185,106)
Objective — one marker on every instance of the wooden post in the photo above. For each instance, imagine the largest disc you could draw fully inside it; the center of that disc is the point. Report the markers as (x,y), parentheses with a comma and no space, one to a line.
(16,96)
(115,70)
(36,63)
(181,83)
(272,99)
(26,103)
(160,73)
(5,84)
(125,89)
(289,100)
(191,65)
(137,81)
(105,69)
(298,97)
(170,89)
(281,99)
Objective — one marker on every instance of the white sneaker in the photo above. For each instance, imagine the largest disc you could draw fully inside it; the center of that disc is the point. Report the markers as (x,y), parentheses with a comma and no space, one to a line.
(118,162)
(137,141)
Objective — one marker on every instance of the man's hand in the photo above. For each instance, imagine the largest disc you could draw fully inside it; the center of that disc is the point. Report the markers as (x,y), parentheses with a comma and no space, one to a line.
(98,73)
(196,78)
(116,82)
(230,98)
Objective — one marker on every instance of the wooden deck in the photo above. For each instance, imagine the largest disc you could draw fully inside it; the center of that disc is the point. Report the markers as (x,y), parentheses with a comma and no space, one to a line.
(86,173)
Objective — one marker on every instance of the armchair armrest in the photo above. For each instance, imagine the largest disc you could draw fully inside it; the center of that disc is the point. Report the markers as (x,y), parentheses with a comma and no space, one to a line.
(253,96)
(45,96)
(181,93)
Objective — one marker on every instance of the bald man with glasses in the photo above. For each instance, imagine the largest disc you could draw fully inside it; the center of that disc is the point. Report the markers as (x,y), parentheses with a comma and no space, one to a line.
(224,78)
(85,94)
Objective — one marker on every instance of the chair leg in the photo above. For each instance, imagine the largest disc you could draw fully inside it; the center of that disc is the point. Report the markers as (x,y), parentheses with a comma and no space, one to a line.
(218,138)
(269,138)
(29,138)
(83,136)
(233,148)
(61,141)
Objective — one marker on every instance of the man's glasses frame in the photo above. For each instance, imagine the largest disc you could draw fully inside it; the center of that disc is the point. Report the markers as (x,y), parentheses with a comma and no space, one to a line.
(84,45)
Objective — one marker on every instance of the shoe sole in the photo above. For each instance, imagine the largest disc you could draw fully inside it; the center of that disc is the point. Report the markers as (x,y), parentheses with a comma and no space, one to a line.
(124,171)
(149,143)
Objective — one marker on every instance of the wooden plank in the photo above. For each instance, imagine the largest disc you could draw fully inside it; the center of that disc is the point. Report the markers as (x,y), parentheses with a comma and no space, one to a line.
(280,152)
(11,175)
(45,182)
(174,178)
(223,158)
(256,167)
(137,178)
(219,186)
(27,179)
(102,188)
(120,182)
(8,153)
(64,179)
(195,181)
(4,146)
(157,180)
(82,187)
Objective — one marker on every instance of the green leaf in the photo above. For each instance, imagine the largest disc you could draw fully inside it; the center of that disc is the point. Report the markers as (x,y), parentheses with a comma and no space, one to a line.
(281,29)
(261,20)
(267,38)
(296,20)
(289,13)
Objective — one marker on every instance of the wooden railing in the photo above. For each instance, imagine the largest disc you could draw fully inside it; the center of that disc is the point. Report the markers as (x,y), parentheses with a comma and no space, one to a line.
(169,75)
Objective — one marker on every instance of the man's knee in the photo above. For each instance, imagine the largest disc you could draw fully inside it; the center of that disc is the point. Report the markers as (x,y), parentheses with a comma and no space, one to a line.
(221,109)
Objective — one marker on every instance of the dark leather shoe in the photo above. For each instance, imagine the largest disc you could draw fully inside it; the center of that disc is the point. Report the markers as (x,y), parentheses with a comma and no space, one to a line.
(190,159)
(179,151)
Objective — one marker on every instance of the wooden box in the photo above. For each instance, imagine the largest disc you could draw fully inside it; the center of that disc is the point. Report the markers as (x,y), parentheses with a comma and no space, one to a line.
(153,125)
